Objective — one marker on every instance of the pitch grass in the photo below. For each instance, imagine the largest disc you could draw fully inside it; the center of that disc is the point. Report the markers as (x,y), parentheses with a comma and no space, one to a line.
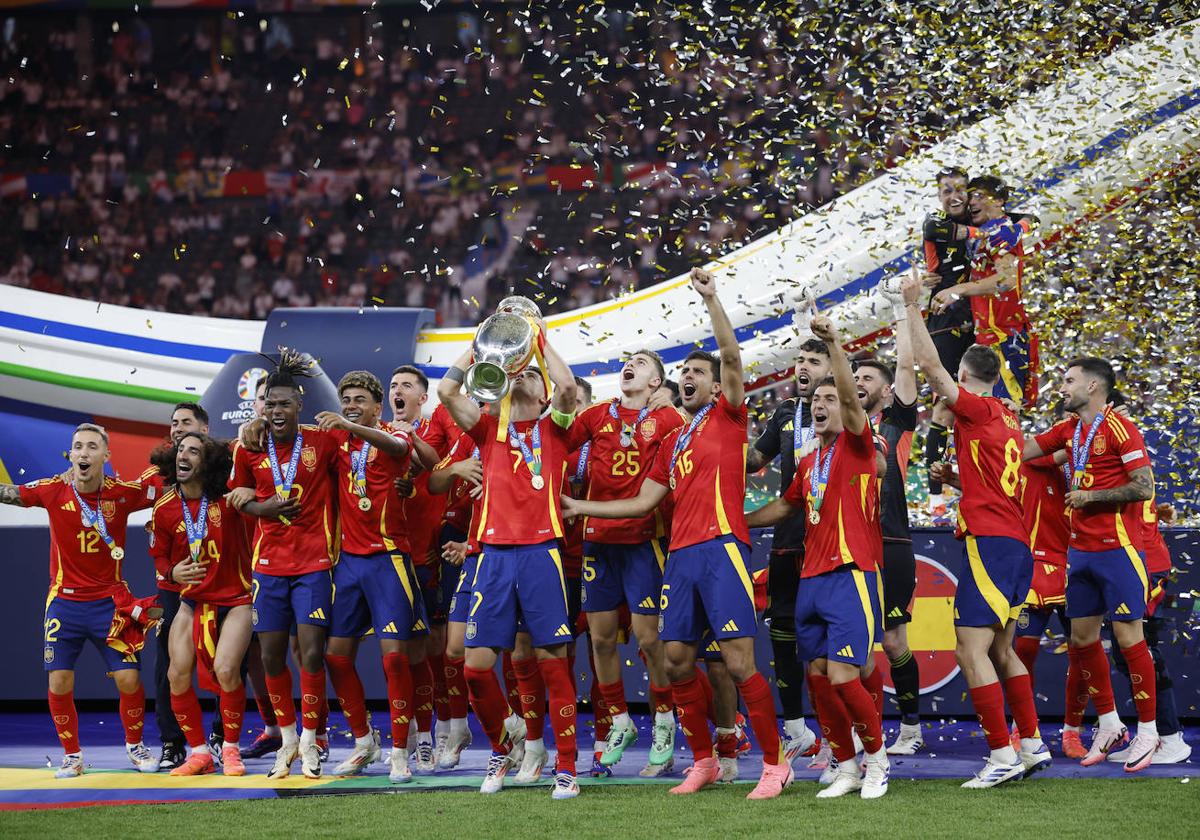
(1058,808)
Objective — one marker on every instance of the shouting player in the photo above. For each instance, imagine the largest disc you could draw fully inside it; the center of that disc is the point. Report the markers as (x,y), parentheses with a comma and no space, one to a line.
(1106,574)
(374,579)
(519,573)
(623,559)
(706,583)
(997,566)
(89,600)
(838,614)
(200,539)
(293,552)
(787,435)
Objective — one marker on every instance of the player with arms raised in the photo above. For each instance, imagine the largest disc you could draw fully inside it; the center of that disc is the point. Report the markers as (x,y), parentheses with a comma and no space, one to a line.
(1106,575)
(706,583)
(997,566)
(88,597)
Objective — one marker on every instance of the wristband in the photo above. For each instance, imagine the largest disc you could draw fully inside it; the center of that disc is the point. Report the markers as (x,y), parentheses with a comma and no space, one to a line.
(456,374)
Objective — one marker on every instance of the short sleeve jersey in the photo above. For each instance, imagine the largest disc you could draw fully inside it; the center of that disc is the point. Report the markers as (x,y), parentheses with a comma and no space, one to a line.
(369,532)
(616,470)
(224,552)
(709,475)
(988,440)
(82,567)
(1001,314)
(423,510)
(779,438)
(948,259)
(1044,502)
(848,531)
(1117,450)
(1158,556)
(513,511)
(459,501)
(307,543)
(895,424)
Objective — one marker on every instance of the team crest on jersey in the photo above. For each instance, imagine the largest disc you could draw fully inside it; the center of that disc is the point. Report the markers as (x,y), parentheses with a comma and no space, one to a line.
(1099,445)
(649,427)
(472,629)
(48,655)
(1023,619)
(109,508)
(309,456)
(214,516)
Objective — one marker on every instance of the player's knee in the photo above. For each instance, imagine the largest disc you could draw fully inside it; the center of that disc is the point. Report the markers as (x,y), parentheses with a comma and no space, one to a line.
(179,680)
(127,681)
(894,646)
(62,682)
(228,675)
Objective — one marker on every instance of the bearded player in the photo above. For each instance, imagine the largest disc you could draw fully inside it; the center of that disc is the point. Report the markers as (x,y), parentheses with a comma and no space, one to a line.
(623,559)
(706,583)
(375,582)
(89,600)
(997,566)
(1106,574)
(520,571)
(202,542)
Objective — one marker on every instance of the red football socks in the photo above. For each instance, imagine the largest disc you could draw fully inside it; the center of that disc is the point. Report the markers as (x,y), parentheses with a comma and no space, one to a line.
(1027,650)
(533,696)
(456,688)
(349,690)
(1142,680)
(233,709)
(1096,678)
(66,719)
(873,683)
(133,714)
(863,713)
(600,708)
(561,690)
(613,696)
(511,689)
(279,689)
(832,716)
(661,699)
(186,707)
(988,701)
(760,707)
(693,717)
(1076,691)
(312,699)
(400,696)
(422,677)
(1018,691)
(489,704)
(441,700)
(710,704)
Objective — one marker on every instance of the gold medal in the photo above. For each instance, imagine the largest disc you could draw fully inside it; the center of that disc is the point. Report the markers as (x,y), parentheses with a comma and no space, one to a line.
(364,504)
(537,481)
(117,552)
(814,516)
(672,482)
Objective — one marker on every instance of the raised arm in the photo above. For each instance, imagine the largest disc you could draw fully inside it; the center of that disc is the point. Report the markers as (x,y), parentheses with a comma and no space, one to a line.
(854,418)
(385,442)
(732,386)
(906,376)
(461,407)
(565,389)
(647,499)
(922,344)
(10,494)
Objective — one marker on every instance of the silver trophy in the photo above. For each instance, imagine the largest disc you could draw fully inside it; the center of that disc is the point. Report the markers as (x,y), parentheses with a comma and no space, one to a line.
(519,305)
(503,347)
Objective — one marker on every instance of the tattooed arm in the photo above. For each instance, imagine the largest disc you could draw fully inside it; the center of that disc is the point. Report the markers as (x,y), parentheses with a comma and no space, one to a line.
(1139,488)
(10,494)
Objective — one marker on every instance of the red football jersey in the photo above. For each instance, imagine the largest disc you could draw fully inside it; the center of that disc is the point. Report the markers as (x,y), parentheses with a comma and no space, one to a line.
(459,502)
(617,471)
(225,551)
(423,510)
(1158,556)
(153,485)
(81,565)
(1044,502)
(573,535)
(997,316)
(368,532)
(988,440)
(439,430)
(1117,450)
(710,477)
(848,531)
(309,542)
(512,511)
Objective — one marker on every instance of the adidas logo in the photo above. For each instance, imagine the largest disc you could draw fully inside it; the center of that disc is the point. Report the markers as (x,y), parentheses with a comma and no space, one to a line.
(562,630)
(1123,610)
(896,613)
(847,652)
(69,506)
(647,603)
(608,427)
(318,614)
(1141,695)
(390,627)
(420,625)
(729,627)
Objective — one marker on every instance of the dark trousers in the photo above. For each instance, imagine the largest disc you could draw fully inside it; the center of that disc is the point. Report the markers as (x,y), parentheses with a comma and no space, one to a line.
(168,727)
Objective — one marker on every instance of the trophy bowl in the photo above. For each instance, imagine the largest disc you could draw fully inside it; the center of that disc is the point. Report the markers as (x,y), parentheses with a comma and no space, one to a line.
(503,347)
(519,305)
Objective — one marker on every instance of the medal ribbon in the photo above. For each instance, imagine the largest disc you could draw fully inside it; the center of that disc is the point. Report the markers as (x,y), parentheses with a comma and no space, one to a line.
(584,452)
(196,530)
(283,482)
(820,479)
(358,468)
(533,460)
(612,410)
(800,435)
(1081,456)
(93,518)
(685,438)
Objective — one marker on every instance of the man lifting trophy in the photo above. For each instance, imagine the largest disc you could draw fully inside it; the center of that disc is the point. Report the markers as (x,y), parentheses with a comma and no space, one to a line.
(504,346)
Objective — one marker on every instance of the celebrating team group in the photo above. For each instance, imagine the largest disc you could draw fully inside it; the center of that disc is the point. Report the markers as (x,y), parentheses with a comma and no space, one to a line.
(496,532)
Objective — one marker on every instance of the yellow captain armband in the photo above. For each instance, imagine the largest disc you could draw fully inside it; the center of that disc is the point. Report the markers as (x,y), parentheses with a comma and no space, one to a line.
(561,419)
